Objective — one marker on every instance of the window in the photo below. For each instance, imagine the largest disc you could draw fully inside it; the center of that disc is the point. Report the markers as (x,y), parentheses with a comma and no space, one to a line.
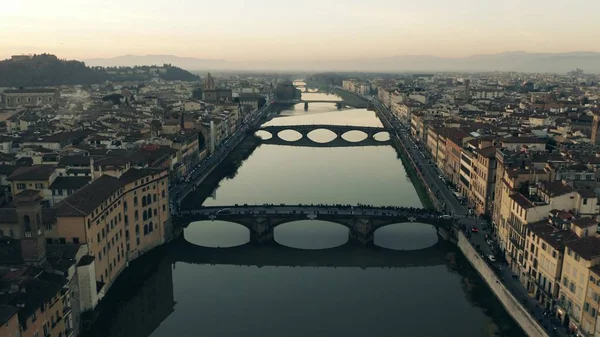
(163,193)
(144,216)
(149,199)
(150,229)
(586,307)
(137,229)
(135,202)
(149,213)
(155,211)
(145,229)
(155,197)
(143,201)
(136,215)
(125,206)
(21,186)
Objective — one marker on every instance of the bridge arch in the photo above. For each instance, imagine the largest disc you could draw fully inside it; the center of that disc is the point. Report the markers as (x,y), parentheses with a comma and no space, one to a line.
(328,135)
(298,135)
(362,221)
(382,136)
(349,136)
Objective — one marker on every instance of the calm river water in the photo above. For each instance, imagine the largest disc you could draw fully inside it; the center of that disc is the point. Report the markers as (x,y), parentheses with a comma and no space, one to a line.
(344,298)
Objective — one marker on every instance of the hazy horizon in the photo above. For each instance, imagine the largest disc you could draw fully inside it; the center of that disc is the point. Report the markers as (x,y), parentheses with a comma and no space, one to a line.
(244,31)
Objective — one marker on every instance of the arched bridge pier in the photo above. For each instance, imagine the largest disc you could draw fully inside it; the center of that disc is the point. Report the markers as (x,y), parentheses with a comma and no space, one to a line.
(261,221)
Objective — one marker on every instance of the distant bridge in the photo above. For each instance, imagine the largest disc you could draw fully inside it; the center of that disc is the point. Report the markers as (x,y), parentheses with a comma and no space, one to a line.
(339,103)
(277,255)
(361,221)
(337,142)
(339,130)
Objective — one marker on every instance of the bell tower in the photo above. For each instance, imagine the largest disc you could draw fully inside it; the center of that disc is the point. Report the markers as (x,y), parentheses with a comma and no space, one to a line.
(29,214)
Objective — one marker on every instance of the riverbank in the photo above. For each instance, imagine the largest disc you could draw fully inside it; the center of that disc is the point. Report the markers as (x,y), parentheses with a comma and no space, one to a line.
(226,170)
(413,175)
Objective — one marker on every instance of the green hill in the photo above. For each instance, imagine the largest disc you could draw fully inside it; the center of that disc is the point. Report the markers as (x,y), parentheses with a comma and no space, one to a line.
(48,70)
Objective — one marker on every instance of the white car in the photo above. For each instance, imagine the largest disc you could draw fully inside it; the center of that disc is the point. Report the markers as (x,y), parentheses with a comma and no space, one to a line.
(492,258)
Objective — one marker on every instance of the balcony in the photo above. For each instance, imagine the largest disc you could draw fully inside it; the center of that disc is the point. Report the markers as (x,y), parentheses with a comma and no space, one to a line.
(68,332)
(66,311)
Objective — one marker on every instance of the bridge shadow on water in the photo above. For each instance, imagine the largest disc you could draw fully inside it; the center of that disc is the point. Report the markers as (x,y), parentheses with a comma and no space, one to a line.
(277,255)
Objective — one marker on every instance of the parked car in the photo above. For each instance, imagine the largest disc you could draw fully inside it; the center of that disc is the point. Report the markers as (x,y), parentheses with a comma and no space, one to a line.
(474,229)
(492,258)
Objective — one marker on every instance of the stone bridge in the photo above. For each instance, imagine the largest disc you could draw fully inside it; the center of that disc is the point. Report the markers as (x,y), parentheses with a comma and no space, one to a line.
(339,104)
(277,255)
(361,221)
(339,130)
(337,142)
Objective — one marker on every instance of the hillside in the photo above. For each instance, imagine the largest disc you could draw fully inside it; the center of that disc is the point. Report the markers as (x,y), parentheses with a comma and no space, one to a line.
(48,70)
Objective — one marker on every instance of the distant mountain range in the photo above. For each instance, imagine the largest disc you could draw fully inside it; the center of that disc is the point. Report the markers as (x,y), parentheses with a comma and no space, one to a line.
(589,62)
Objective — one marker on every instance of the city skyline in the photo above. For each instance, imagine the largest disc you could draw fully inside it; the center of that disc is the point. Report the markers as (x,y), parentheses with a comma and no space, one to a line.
(240,31)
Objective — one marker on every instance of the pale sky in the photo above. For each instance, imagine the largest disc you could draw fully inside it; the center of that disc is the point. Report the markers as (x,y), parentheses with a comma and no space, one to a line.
(243,30)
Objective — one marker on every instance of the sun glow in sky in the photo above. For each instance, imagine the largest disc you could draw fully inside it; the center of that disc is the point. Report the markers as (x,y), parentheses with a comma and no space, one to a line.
(238,30)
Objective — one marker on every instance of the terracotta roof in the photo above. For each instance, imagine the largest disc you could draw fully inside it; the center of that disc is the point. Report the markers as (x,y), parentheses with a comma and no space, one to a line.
(35,172)
(555,237)
(585,222)
(588,248)
(522,201)
(555,188)
(87,199)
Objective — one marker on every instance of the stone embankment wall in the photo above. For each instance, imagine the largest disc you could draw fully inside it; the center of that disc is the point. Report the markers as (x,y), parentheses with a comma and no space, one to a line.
(514,308)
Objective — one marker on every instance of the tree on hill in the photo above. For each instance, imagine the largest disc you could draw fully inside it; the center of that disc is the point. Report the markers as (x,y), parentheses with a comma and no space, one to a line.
(48,70)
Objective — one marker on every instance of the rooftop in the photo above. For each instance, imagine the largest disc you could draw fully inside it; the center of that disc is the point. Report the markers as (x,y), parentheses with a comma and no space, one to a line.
(34,172)
(588,248)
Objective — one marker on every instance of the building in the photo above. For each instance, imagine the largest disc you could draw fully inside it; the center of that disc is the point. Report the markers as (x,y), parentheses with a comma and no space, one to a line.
(39,279)
(580,256)
(118,217)
(35,177)
(538,203)
(591,306)
(483,178)
(30,97)
(9,321)
(545,244)
(456,141)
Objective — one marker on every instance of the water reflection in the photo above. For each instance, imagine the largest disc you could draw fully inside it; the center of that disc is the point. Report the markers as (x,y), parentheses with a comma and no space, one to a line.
(263,135)
(406,236)
(382,136)
(306,234)
(289,135)
(355,136)
(322,136)
(139,302)
(359,117)
(218,234)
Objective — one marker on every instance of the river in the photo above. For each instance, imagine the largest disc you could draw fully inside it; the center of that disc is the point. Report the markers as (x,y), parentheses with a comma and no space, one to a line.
(281,292)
